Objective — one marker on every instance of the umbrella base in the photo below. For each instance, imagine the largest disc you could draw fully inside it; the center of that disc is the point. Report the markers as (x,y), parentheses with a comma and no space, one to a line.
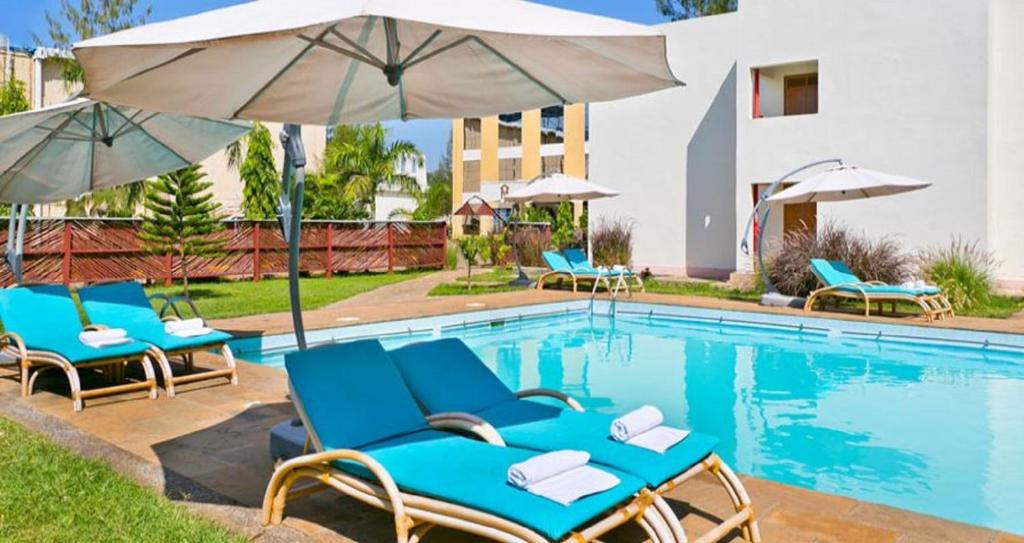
(777,299)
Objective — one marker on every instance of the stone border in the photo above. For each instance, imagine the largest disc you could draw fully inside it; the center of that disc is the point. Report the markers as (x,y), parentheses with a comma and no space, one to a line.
(178,488)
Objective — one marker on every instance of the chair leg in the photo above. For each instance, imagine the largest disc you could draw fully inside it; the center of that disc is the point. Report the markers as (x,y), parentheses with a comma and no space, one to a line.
(165,369)
(229,359)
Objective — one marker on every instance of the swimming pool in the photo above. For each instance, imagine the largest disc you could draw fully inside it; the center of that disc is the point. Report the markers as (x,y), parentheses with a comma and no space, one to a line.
(919,418)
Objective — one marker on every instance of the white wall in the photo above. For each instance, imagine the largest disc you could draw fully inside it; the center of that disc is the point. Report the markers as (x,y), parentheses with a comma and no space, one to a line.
(1006,138)
(901,89)
(672,156)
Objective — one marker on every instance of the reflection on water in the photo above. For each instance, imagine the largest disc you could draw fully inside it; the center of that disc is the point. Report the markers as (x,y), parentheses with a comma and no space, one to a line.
(932,429)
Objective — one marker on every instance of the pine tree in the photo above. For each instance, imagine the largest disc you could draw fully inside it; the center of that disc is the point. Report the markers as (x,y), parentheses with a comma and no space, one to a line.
(259,175)
(182,217)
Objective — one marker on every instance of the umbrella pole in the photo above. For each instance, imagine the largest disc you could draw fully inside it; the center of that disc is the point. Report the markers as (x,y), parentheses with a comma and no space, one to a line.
(293,183)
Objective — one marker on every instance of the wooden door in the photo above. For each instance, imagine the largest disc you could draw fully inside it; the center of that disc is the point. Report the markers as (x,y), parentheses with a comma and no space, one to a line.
(801,95)
(797,217)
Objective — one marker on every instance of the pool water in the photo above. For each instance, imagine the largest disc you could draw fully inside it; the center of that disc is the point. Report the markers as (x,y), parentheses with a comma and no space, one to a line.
(931,428)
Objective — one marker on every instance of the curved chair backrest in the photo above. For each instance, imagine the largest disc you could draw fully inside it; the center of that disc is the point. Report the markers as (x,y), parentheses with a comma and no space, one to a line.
(445,375)
(120,305)
(577,258)
(556,261)
(351,395)
(832,273)
(39,313)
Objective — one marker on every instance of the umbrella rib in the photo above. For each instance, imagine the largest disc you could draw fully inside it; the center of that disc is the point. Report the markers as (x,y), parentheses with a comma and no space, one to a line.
(355,45)
(419,49)
(29,155)
(182,56)
(92,153)
(518,68)
(121,130)
(435,52)
(342,51)
(280,73)
(158,141)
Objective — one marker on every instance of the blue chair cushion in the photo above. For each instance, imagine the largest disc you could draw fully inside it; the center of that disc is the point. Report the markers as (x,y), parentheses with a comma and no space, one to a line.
(445,375)
(833,272)
(46,318)
(894,289)
(473,473)
(532,425)
(351,394)
(556,262)
(124,305)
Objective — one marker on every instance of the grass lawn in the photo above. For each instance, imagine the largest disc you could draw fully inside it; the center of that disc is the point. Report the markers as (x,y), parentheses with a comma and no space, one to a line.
(48,493)
(997,307)
(700,288)
(223,299)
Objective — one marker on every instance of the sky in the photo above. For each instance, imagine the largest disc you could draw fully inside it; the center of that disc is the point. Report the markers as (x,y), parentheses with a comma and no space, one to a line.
(23,18)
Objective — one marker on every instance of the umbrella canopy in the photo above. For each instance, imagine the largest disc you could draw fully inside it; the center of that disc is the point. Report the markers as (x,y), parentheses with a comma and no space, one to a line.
(66,150)
(350,61)
(559,188)
(847,183)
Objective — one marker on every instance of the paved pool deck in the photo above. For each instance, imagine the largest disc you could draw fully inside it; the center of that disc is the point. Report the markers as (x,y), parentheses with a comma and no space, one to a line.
(207,447)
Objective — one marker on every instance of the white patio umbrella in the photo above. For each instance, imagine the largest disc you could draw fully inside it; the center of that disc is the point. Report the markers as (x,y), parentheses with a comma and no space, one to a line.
(345,61)
(847,183)
(68,149)
(559,187)
(75,147)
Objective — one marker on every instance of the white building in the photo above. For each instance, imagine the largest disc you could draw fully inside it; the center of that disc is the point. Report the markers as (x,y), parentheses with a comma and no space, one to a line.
(923,88)
(391,198)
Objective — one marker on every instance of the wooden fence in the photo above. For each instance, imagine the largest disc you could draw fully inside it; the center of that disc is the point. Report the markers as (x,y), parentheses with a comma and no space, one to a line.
(75,251)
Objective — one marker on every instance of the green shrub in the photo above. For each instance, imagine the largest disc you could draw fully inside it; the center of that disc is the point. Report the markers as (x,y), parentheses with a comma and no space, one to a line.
(612,242)
(451,257)
(496,251)
(564,234)
(471,248)
(870,259)
(962,269)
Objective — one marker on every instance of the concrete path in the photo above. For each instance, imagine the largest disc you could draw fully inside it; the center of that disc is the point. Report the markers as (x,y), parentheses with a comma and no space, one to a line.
(413,290)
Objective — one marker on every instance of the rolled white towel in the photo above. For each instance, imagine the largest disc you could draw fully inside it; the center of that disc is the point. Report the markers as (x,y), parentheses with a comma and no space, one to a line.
(172,327)
(636,422)
(544,466)
(193,332)
(104,338)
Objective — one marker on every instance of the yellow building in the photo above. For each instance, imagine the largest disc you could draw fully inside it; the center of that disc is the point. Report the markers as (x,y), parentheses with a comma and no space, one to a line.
(496,155)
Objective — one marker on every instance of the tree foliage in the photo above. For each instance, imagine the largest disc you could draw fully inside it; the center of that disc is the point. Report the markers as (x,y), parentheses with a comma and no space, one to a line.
(433,203)
(90,18)
(687,9)
(260,180)
(565,228)
(182,217)
(360,163)
(324,201)
(12,95)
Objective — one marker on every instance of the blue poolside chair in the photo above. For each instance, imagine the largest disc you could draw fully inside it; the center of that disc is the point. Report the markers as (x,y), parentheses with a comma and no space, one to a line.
(125,305)
(374,444)
(840,282)
(581,264)
(560,268)
(451,382)
(41,328)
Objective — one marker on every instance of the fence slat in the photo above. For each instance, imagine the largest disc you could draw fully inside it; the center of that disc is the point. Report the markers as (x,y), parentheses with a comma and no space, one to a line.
(87,250)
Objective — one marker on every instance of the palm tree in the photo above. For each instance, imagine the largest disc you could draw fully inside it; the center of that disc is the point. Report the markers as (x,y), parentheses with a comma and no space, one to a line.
(361,163)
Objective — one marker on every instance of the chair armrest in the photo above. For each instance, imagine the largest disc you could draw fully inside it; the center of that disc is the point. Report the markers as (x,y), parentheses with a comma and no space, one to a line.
(10,339)
(548,393)
(466,422)
(96,327)
(283,478)
(170,303)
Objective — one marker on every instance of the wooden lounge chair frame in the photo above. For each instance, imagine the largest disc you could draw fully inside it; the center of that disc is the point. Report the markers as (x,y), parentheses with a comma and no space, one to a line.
(744,518)
(934,306)
(12,345)
(594,279)
(415,515)
(187,355)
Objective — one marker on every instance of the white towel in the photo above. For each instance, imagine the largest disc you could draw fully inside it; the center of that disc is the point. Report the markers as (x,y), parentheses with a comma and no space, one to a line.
(560,476)
(104,338)
(192,332)
(636,422)
(659,439)
(172,327)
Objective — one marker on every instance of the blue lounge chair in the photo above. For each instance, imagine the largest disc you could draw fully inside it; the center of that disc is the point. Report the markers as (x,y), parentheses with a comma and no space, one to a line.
(41,328)
(838,281)
(374,444)
(579,262)
(125,305)
(560,268)
(451,382)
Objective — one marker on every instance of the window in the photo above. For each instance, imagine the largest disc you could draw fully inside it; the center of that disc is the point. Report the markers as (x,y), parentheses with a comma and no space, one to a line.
(471,133)
(801,94)
(784,89)
(471,176)
(510,169)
